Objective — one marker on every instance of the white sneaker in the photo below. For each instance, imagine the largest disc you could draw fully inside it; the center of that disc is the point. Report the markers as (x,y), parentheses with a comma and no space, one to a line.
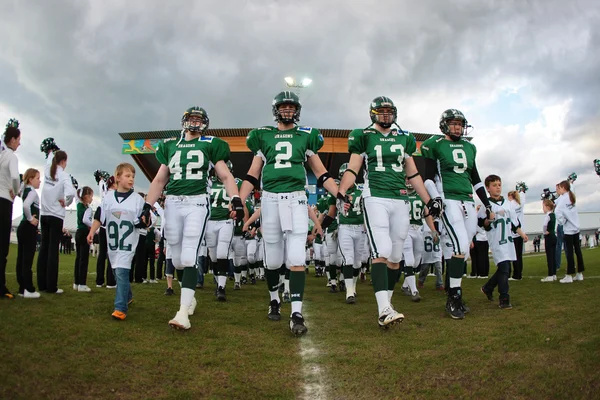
(430,274)
(567,279)
(31,295)
(83,288)
(389,316)
(75,286)
(111,287)
(181,321)
(153,281)
(483,277)
(192,306)
(59,291)
(98,285)
(471,277)
(578,277)
(145,281)
(548,279)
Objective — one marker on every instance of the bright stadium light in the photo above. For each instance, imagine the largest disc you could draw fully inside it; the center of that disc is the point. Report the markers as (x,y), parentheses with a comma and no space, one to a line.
(305,82)
(290,81)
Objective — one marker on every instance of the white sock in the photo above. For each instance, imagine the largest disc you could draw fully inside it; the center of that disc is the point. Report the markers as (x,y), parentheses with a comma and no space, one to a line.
(262,271)
(187,296)
(286,285)
(245,274)
(349,287)
(252,271)
(274,296)
(328,275)
(342,277)
(222,280)
(296,307)
(455,282)
(354,280)
(390,293)
(382,300)
(411,281)
(237,276)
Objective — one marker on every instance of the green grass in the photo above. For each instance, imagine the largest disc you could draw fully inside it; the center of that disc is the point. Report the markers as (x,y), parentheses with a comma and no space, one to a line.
(67,346)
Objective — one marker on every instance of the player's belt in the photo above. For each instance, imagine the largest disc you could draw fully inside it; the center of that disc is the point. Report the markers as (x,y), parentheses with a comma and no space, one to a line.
(354,227)
(196,199)
(416,227)
(283,196)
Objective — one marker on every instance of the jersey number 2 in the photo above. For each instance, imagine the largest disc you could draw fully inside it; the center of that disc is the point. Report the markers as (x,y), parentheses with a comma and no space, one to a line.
(114,243)
(193,169)
(282,159)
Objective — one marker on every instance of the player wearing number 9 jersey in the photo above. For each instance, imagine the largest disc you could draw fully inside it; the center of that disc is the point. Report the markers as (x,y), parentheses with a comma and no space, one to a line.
(387,156)
(450,161)
(185,165)
(280,154)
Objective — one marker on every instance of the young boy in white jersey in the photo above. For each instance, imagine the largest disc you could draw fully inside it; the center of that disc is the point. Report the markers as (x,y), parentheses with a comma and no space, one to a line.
(499,225)
(121,211)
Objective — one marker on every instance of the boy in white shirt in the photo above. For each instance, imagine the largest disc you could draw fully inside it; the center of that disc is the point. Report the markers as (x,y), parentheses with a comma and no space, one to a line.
(499,226)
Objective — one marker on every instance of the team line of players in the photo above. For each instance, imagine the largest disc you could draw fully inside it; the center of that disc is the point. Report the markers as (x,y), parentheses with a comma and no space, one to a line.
(386,211)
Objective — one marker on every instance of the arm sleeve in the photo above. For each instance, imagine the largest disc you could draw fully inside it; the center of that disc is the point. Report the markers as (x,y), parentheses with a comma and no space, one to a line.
(27,204)
(98,214)
(87,217)
(478,186)
(546,222)
(14,174)
(430,169)
(560,215)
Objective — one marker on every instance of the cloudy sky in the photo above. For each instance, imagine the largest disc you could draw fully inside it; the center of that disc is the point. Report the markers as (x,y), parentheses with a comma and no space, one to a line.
(525,73)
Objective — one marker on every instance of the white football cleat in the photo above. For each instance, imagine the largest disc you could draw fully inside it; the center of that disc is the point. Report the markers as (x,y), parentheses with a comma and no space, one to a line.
(83,288)
(181,321)
(75,286)
(567,279)
(31,295)
(548,279)
(192,306)
(389,316)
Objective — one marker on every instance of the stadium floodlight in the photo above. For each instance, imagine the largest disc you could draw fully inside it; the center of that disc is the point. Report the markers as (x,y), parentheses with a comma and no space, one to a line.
(291,82)
(305,82)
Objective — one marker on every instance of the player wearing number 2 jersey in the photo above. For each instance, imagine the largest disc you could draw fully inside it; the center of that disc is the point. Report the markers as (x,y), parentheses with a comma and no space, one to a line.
(387,156)
(279,154)
(185,165)
(450,161)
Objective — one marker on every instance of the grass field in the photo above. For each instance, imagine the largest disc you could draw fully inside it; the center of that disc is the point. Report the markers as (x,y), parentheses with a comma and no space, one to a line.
(67,346)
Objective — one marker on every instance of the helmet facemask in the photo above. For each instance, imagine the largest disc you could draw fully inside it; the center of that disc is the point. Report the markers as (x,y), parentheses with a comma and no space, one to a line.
(196,123)
(384,116)
(287,115)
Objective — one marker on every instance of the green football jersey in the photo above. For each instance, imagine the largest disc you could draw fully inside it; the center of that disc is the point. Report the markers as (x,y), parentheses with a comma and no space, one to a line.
(189,162)
(455,161)
(384,158)
(416,209)
(354,215)
(284,154)
(219,201)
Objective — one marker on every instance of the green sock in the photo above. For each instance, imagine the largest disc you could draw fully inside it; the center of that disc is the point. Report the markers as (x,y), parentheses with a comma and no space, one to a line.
(189,278)
(348,271)
(272,276)
(179,273)
(297,281)
(379,276)
(332,271)
(393,276)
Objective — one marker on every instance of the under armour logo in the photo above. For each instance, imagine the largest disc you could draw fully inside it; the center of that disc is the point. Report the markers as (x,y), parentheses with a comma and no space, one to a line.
(284,197)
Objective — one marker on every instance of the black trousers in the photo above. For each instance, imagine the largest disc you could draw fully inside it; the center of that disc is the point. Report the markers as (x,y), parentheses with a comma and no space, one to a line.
(161,259)
(483,261)
(500,279)
(27,238)
(518,265)
(474,261)
(47,263)
(82,257)
(101,261)
(150,257)
(550,245)
(139,261)
(573,245)
(6,207)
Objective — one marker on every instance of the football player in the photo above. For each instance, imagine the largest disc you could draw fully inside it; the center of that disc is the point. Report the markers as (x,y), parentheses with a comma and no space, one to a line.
(387,154)
(219,232)
(450,159)
(351,238)
(185,165)
(329,221)
(279,156)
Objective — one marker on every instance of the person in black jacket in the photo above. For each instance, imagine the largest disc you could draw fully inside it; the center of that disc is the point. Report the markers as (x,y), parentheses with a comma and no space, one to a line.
(550,239)
(27,234)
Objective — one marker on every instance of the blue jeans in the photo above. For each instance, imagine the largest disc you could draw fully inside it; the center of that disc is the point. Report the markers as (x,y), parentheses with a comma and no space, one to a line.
(201,264)
(123,294)
(500,279)
(559,244)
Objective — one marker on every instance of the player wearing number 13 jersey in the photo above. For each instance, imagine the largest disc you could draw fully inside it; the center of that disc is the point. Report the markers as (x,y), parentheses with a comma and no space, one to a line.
(185,166)
(387,156)
(450,161)
(280,154)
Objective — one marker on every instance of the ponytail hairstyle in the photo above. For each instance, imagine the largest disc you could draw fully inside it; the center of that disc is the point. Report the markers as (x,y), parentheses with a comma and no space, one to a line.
(567,186)
(549,204)
(515,195)
(84,191)
(59,157)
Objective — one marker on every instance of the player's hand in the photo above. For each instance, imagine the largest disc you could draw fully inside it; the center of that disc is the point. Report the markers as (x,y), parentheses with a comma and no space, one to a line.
(12,194)
(34,221)
(62,203)
(90,238)
(343,202)
(525,238)
(436,237)
(145,216)
(490,215)
(237,208)
(317,230)
(435,206)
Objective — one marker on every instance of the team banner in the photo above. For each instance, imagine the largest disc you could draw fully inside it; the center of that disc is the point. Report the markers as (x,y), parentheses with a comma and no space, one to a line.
(141,146)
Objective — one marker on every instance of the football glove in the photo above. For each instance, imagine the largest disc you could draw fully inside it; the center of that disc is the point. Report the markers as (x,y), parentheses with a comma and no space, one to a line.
(488,212)
(434,207)
(342,200)
(238,207)
(145,219)
(74,182)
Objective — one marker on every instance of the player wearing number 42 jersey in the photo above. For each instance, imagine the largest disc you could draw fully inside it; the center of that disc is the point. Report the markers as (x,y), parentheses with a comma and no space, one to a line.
(279,155)
(387,156)
(185,165)
(450,162)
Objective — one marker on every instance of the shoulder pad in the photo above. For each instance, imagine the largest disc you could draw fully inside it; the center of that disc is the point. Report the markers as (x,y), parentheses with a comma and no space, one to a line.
(169,139)
(306,129)
(267,128)
(369,130)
